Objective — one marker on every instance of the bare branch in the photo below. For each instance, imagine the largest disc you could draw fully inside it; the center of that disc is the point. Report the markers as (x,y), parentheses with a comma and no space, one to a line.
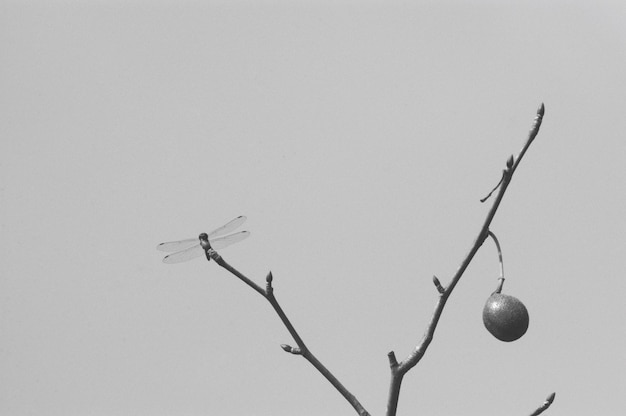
(511,163)
(398,371)
(301,349)
(212,254)
(544,406)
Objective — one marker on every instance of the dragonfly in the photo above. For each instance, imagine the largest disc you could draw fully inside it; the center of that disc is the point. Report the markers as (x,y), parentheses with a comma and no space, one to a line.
(190,248)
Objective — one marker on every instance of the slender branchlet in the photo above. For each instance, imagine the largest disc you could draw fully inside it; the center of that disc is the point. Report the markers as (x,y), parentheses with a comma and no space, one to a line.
(301,349)
(512,162)
(493,190)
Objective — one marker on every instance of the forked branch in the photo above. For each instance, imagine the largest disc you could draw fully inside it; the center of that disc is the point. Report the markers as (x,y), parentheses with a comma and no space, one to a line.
(399,369)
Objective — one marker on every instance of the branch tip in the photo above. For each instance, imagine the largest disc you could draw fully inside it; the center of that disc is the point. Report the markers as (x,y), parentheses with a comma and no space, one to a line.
(268,286)
(537,123)
(393,362)
(544,406)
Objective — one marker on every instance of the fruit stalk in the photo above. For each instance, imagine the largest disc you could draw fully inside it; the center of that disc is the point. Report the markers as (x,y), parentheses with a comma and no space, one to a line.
(501,278)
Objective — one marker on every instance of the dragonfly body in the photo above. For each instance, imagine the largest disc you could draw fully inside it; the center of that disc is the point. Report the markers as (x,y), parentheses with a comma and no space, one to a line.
(191,248)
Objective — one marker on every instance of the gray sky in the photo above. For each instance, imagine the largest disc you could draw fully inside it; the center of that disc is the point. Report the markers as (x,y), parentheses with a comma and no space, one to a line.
(358,139)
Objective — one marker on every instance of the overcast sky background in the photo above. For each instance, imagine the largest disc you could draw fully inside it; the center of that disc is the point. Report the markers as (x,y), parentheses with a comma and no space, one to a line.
(358,139)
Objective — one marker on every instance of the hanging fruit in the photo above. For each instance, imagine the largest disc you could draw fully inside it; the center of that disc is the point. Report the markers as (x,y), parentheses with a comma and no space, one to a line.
(504,316)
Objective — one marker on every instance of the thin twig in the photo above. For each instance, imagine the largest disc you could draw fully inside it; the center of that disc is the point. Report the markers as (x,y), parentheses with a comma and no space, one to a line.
(544,406)
(301,349)
(493,190)
(398,370)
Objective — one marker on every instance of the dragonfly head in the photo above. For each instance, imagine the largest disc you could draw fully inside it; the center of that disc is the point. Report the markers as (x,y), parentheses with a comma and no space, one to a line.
(204,241)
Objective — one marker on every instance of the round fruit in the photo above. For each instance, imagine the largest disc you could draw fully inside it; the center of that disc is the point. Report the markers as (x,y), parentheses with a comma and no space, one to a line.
(505,317)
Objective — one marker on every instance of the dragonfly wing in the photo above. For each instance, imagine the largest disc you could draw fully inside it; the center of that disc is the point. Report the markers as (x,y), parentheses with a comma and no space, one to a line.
(227,240)
(184,255)
(177,245)
(226,228)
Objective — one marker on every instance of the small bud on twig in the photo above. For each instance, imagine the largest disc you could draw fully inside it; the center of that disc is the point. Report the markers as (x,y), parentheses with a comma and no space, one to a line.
(437,283)
(289,348)
(509,162)
(268,287)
